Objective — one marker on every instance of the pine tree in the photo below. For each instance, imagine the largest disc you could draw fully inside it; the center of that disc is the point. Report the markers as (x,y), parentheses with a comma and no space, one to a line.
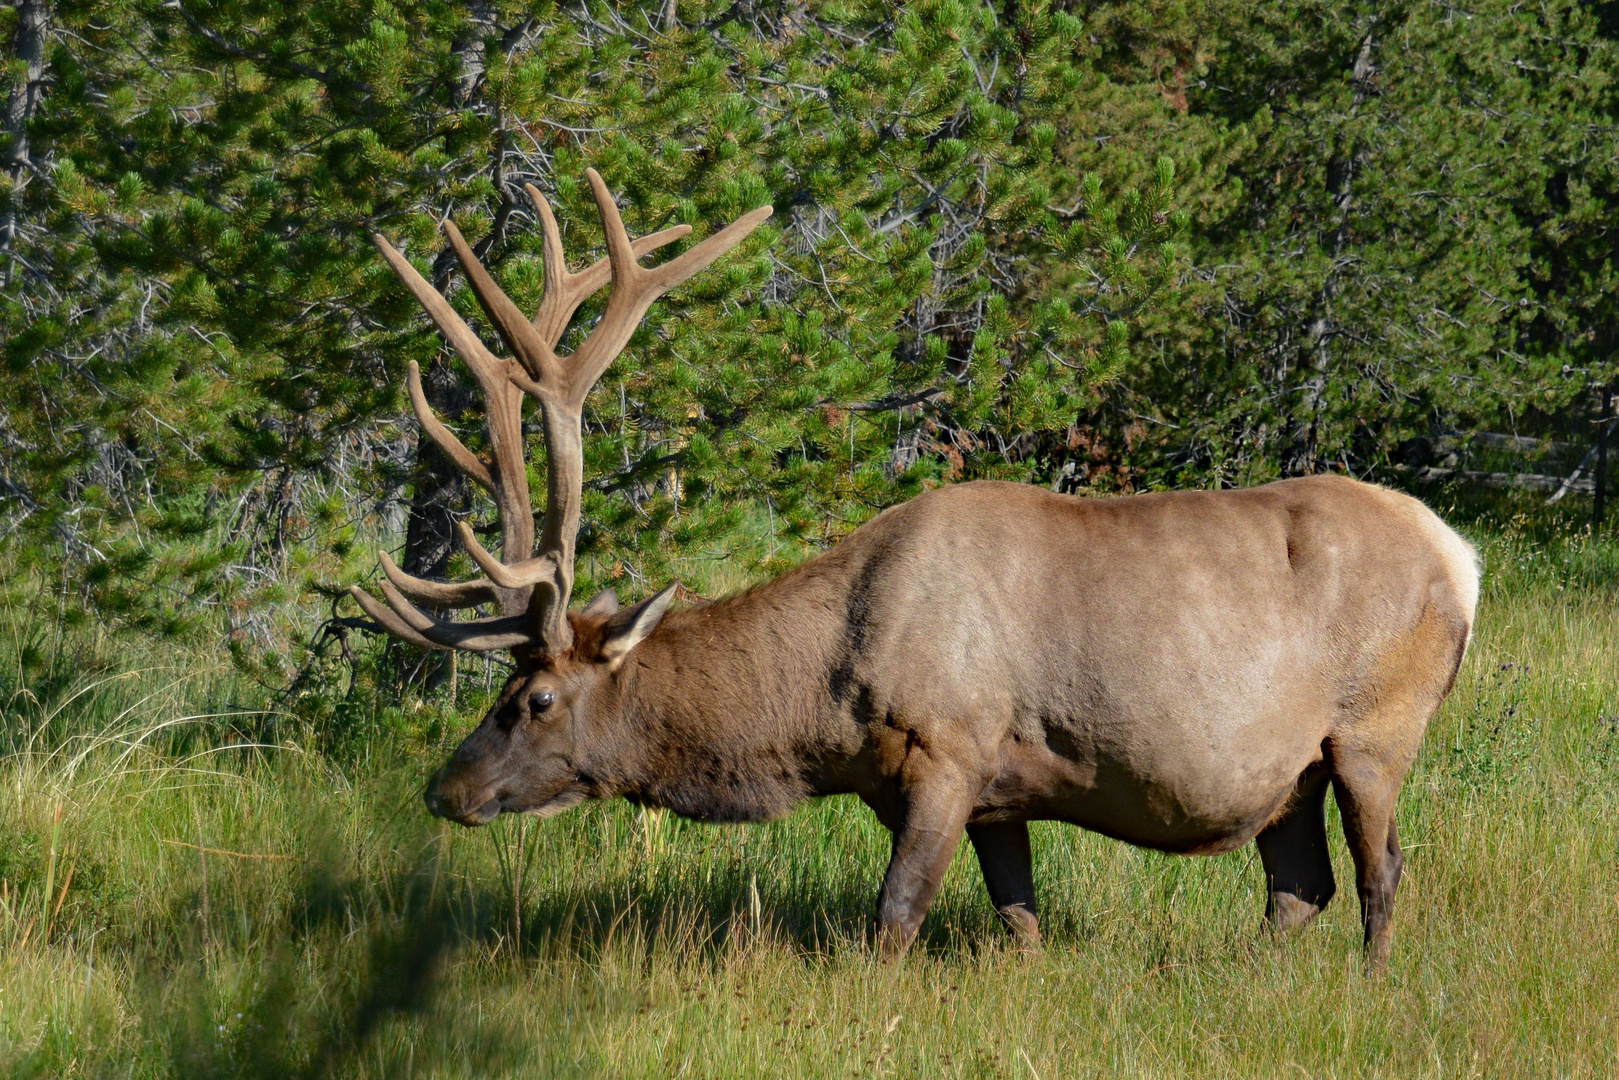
(1103,249)
(912,317)
(1398,259)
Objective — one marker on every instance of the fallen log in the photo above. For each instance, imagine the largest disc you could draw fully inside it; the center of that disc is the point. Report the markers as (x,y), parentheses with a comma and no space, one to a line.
(1523,481)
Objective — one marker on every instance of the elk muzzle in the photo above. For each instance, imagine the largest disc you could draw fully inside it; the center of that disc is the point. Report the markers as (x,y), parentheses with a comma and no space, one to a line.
(449,796)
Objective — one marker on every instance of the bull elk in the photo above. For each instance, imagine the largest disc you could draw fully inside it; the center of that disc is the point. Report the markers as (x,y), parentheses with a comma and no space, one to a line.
(1185,671)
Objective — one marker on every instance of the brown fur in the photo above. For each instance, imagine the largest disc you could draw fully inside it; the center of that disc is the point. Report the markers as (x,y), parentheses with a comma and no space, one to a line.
(1183,671)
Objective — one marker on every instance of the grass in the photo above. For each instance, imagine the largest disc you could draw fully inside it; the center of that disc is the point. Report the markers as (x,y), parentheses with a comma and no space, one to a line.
(191,888)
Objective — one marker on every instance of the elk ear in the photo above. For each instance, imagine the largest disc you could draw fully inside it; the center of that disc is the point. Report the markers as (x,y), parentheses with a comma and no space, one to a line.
(604,603)
(630,627)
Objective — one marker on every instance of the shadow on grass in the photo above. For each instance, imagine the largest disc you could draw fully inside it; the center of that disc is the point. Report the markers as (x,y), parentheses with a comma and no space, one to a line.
(347,982)
(725,913)
(819,918)
(324,999)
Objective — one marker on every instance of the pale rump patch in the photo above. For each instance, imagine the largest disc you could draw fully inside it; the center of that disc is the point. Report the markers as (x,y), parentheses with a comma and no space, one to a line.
(1461,561)
(1459,558)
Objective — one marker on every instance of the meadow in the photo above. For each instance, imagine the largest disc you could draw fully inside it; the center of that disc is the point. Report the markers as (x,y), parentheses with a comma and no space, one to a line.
(197,882)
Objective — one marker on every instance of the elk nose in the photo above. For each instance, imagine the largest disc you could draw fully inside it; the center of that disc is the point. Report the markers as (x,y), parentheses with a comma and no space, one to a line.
(433,796)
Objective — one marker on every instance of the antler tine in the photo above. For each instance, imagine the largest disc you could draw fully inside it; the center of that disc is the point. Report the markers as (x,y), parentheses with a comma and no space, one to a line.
(465,460)
(635,289)
(564,292)
(480,635)
(392,623)
(526,343)
(440,594)
(538,572)
(488,370)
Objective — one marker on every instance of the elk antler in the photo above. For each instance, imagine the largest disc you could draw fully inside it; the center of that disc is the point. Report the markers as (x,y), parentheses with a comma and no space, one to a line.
(530,588)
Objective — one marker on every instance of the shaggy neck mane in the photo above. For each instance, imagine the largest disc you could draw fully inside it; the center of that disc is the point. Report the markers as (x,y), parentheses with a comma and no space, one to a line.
(720,705)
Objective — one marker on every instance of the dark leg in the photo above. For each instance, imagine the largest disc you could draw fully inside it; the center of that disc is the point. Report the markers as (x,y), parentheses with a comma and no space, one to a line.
(1003,856)
(1293,849)
(933,817)
(1366,801)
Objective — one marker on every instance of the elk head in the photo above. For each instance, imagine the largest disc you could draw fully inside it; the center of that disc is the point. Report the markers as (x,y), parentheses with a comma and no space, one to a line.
(522,757)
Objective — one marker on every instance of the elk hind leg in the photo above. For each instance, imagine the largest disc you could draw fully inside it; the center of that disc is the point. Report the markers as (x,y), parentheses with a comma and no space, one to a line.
(1369,757)
(1366,788)
(1293,850)
(1008,868)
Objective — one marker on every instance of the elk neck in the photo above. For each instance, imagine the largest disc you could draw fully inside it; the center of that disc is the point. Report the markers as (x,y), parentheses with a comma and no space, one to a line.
(726,711)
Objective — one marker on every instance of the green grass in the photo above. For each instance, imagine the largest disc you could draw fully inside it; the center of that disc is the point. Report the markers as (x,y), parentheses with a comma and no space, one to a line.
(347,935)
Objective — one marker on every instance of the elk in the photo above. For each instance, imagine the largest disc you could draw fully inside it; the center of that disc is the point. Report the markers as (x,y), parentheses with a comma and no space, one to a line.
(1186,671)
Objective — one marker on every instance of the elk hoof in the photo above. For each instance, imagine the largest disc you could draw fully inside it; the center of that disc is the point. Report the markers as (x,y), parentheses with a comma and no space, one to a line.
(1289,913)
(1024,927)
(893,942)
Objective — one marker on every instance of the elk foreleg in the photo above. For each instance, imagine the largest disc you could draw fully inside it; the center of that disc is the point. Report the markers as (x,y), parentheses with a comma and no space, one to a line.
(933,815)
(1008,866)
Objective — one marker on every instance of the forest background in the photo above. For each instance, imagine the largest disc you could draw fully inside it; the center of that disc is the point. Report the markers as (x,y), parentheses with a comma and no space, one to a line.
(1102,247)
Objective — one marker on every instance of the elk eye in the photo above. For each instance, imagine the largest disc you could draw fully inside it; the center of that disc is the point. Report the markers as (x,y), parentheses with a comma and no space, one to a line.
(541,700)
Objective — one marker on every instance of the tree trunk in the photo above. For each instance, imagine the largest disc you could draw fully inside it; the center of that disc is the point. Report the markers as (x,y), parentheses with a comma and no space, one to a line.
(441,493)
(1305,458)
(28,46)
(440,489)
(1600,478)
